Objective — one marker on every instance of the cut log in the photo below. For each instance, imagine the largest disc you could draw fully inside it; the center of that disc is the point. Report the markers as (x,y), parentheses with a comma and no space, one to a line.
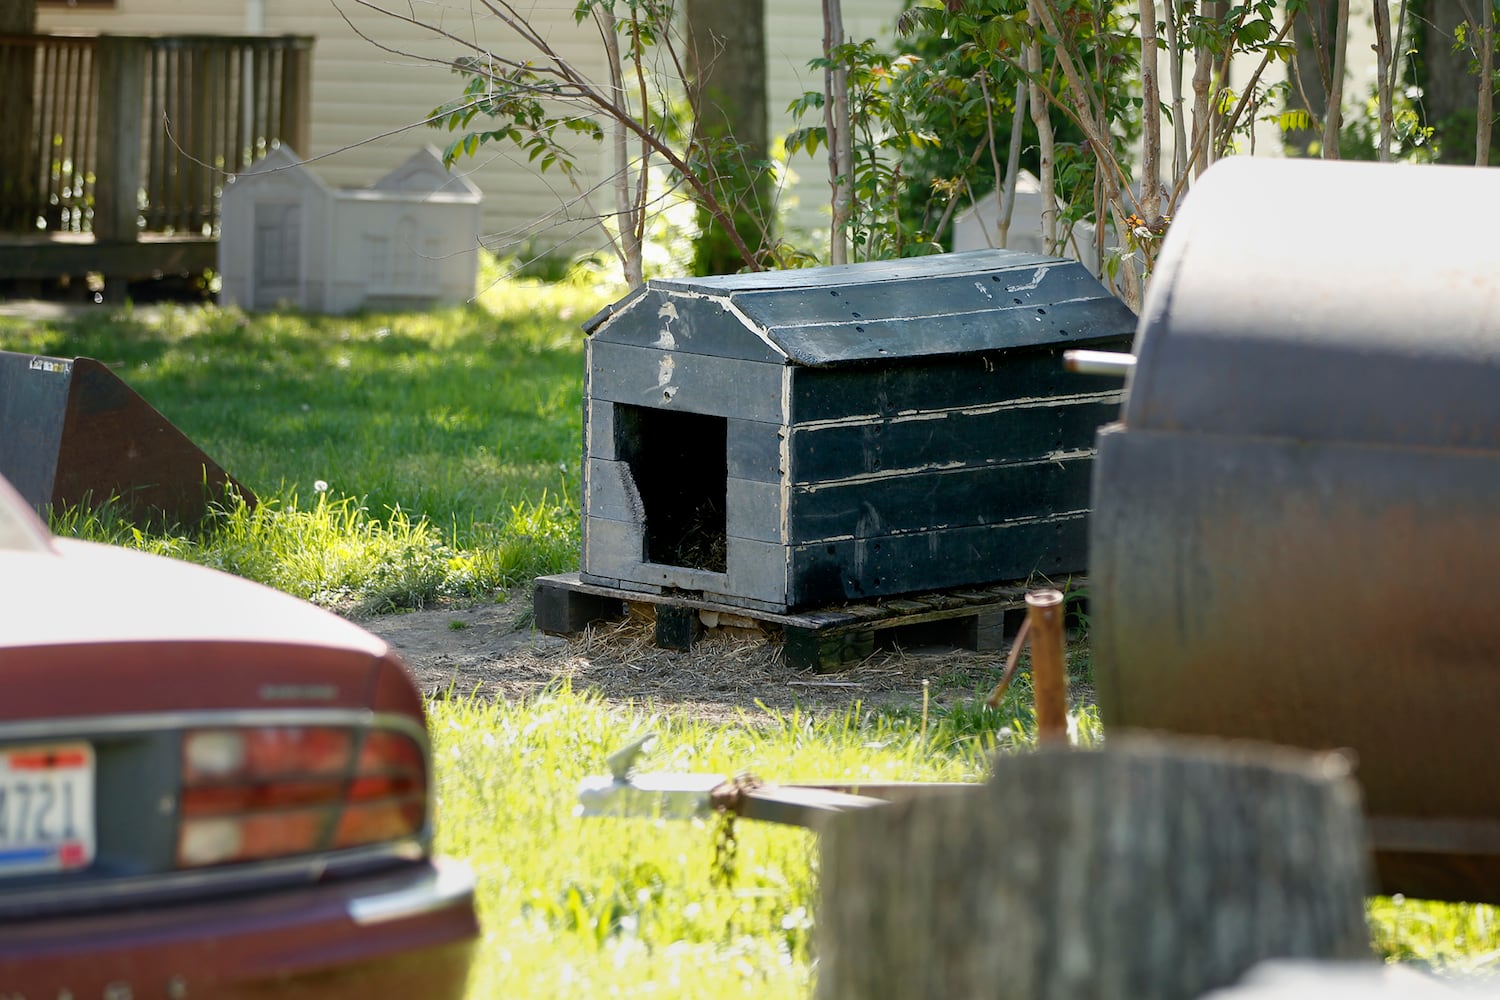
(1147,869)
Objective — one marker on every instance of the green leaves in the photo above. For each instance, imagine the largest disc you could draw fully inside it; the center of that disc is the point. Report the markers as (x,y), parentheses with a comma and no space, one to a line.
(524,108)
(808,139)
(887,121)
(1292,120)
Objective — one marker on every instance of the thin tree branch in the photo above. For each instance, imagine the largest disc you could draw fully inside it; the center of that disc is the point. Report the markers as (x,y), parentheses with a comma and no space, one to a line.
(1013,160)
(1174,77)
(1334,112)
(1384,66)
(1151,114)
(840,142)
(1485,117)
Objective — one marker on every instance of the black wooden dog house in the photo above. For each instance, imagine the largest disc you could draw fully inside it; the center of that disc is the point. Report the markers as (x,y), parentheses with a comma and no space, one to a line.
(792,439)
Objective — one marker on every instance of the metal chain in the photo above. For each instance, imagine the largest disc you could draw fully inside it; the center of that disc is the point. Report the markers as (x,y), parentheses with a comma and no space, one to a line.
(726,851)
(726,801)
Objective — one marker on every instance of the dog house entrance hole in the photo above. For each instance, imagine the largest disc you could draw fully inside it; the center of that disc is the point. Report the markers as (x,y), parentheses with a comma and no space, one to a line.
(680,466)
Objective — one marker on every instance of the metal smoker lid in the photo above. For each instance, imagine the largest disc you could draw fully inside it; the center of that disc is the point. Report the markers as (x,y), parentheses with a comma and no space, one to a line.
(1330,301)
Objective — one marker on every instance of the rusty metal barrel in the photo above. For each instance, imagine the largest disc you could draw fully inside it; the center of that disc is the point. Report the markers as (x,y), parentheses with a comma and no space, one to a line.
(1296,527)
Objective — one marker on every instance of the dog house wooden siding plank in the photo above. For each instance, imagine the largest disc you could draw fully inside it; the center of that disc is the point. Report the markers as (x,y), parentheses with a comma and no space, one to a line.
(693,383)
(1012,290)
(611,494)
(754,511)
(968,262)
(599,429)
(972,437)
(930,502)
(935,332)
(757,570)
(687,324)
(827,572)
(932,336)
(612,548)
(754,451)
(942,383)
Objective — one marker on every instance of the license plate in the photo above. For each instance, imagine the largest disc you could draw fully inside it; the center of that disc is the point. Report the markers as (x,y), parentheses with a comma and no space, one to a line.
(46,808)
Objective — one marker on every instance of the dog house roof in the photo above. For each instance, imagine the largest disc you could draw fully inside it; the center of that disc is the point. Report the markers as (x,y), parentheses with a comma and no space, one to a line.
(918,307)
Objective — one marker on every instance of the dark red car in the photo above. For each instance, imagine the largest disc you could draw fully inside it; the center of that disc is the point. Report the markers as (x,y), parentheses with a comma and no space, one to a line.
(208,789)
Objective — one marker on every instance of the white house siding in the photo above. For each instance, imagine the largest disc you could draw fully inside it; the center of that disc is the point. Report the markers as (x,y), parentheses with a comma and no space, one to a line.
(368,103)
(794,37)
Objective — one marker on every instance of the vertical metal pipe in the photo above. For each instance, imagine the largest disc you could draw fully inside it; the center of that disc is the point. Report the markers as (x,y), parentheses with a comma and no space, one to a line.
(1049,682)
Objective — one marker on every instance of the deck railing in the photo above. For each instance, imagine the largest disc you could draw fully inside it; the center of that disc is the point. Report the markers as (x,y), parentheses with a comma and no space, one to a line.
(121,135)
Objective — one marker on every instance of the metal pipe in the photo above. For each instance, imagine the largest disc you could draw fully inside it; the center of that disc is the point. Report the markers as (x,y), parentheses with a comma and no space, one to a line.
(1011,662)
(1049,682)
(1099,363)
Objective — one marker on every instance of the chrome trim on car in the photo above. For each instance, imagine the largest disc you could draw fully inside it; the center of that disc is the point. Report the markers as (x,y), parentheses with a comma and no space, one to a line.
(194,883)
(450,884)
(121,725)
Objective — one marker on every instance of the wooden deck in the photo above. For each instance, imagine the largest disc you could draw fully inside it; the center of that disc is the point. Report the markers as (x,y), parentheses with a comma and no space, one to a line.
(46,256)
(114,148)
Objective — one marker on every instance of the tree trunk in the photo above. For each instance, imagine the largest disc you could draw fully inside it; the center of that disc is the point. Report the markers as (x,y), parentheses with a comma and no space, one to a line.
(18,153)
(1147,869)
(1174,76)
(626,240)
(1443,70)
(840,142)
(727,70)
(1007,192)
(1204,115)
(1485,121)
(1384,67)
(1309,72)
(1041,117)
(1151,114)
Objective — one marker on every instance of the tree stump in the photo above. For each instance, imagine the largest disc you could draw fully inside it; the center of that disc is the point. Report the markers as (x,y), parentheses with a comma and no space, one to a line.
(1146,869)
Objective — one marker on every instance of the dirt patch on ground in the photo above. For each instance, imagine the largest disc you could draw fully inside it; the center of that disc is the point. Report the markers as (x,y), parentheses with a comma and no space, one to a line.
(494,651)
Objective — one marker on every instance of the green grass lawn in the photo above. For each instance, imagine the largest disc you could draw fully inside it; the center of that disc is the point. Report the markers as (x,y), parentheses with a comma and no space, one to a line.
(399,459)
(632,907)
(449,445)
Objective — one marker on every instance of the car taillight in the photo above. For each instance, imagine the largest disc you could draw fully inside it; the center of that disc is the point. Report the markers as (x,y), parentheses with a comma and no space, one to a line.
(275,791)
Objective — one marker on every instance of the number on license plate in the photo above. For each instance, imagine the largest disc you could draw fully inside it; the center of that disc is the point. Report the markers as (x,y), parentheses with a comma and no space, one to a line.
(46,808)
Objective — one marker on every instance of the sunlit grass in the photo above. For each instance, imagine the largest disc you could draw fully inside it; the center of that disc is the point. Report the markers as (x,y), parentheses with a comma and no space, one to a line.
(1460,939)
(338,554)
(631,907)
